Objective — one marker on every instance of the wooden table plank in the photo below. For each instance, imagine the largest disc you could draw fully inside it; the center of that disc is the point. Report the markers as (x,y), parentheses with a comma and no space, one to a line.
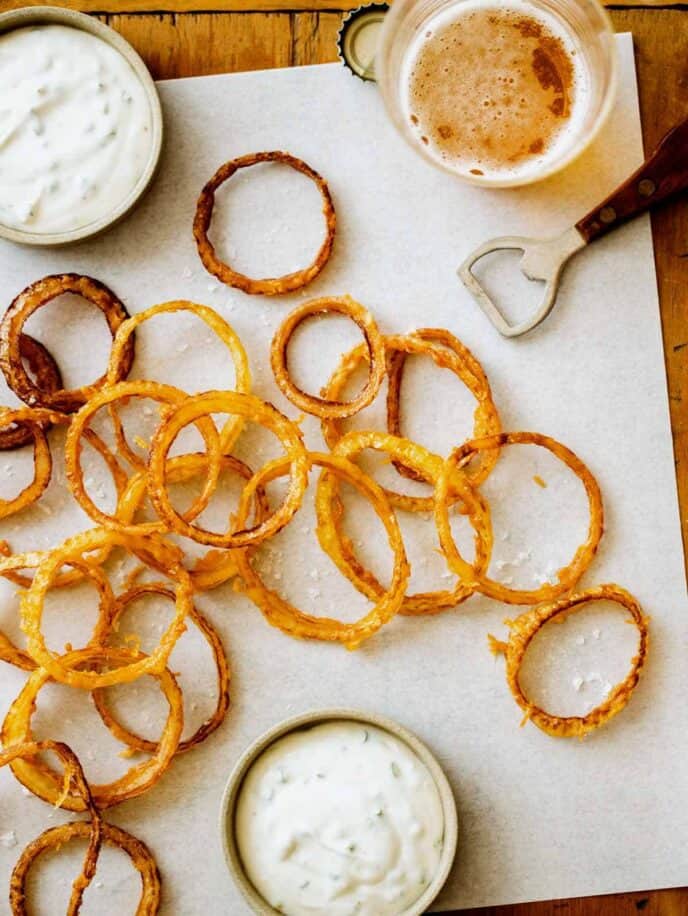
(199,45)
(236,6)
(196,44)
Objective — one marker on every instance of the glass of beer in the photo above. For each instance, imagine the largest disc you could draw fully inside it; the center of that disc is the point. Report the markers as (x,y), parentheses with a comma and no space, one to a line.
(499,92)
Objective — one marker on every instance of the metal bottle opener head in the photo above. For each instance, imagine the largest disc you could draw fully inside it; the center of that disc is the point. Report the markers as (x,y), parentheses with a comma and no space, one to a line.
(543,259)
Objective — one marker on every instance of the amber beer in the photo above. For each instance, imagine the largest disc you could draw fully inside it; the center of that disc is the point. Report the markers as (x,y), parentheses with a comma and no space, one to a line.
(497,92)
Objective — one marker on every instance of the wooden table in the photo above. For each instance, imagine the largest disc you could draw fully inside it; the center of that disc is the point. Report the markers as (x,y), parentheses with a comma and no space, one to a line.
(198,37)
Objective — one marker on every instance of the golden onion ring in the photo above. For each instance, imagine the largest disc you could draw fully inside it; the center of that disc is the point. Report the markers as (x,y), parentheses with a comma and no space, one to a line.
(8,651)
(338,546)
(243,405)
(30,419)
(165,394)
(279,612)
(447,352)
(73,776)
(152,550)
(569,575)
(212,637)
(216,566)
(521,633)
(466,367)
(39,777)
(55,837)
(329,407)
(273,286)
(242,373)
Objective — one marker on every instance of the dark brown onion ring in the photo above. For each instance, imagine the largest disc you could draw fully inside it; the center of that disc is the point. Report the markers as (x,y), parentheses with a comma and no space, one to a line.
(29,301)
(272,286)
(47,376)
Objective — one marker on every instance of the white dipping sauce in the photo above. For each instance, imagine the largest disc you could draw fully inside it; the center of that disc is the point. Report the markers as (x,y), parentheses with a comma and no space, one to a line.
(75,129)
(342,818)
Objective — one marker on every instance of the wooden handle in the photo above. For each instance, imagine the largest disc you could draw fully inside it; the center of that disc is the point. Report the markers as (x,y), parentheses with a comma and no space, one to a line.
(662,175)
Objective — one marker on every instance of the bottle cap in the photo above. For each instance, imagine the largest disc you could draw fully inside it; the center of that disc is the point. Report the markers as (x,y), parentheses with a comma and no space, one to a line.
(358,39)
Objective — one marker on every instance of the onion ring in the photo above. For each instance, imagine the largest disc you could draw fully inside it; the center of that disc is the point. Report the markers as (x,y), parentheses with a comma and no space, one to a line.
(329,407)
(523,629)
(447,352)
(42,460)
(569,575)
(275,285)
(338,546)
(216,566)
(117,367)
(13,656)
(223,673)
(154,551)
(42,780)
(24,305)
(165,394)
(8,651)
(73,776)
(243,405)
(279,612)
(47,375)
(55,837)
(466,367)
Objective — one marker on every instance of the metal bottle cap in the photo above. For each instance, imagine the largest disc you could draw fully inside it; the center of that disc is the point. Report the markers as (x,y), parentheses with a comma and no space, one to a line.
(358,39)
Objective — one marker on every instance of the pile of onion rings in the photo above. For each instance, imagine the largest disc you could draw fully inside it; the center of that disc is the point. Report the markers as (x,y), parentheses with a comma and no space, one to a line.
(155,543)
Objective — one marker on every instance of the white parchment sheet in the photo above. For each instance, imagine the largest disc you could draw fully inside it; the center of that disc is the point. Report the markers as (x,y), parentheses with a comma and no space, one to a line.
(539,817)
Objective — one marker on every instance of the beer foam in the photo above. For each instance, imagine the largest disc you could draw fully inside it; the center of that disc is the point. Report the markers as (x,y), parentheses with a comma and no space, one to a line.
(495,90)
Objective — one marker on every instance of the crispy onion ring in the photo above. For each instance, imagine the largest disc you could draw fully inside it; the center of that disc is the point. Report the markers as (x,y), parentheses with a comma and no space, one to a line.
(211,636)
(41,779)
(329,407)
(338,546)
(152,550)
(279,612)
(249,407)
(8,651)
(447,352)
(55,837)
(117,367)
(466,367)
(30,300)
(275,285)
(569,575)
(216,566)
(74,777)
(156,391)
(523,629)
(13,656)
(42,460)
(47,375)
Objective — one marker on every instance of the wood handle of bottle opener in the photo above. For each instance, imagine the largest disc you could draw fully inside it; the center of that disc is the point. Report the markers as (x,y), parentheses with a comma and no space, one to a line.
(661,176)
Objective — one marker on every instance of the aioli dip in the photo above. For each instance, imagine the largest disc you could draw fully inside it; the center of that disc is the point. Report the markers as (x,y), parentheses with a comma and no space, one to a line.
(76,129)
(340,819)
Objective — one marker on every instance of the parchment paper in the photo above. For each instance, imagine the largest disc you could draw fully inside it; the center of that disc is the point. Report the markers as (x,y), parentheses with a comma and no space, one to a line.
(539,818)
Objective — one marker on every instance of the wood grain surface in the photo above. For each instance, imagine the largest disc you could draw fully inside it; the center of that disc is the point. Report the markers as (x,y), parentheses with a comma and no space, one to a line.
(235,6)
(176,40)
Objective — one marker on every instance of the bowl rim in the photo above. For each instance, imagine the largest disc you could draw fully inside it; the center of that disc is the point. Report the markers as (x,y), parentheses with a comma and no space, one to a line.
(307,720)
(54,15)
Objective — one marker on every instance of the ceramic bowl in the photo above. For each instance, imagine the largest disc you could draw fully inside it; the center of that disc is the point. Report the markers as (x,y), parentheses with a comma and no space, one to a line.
(308,720)
(52,15)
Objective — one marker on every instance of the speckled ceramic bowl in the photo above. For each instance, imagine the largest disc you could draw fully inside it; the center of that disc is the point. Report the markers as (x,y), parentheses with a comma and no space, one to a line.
(52,15)
(307,720)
